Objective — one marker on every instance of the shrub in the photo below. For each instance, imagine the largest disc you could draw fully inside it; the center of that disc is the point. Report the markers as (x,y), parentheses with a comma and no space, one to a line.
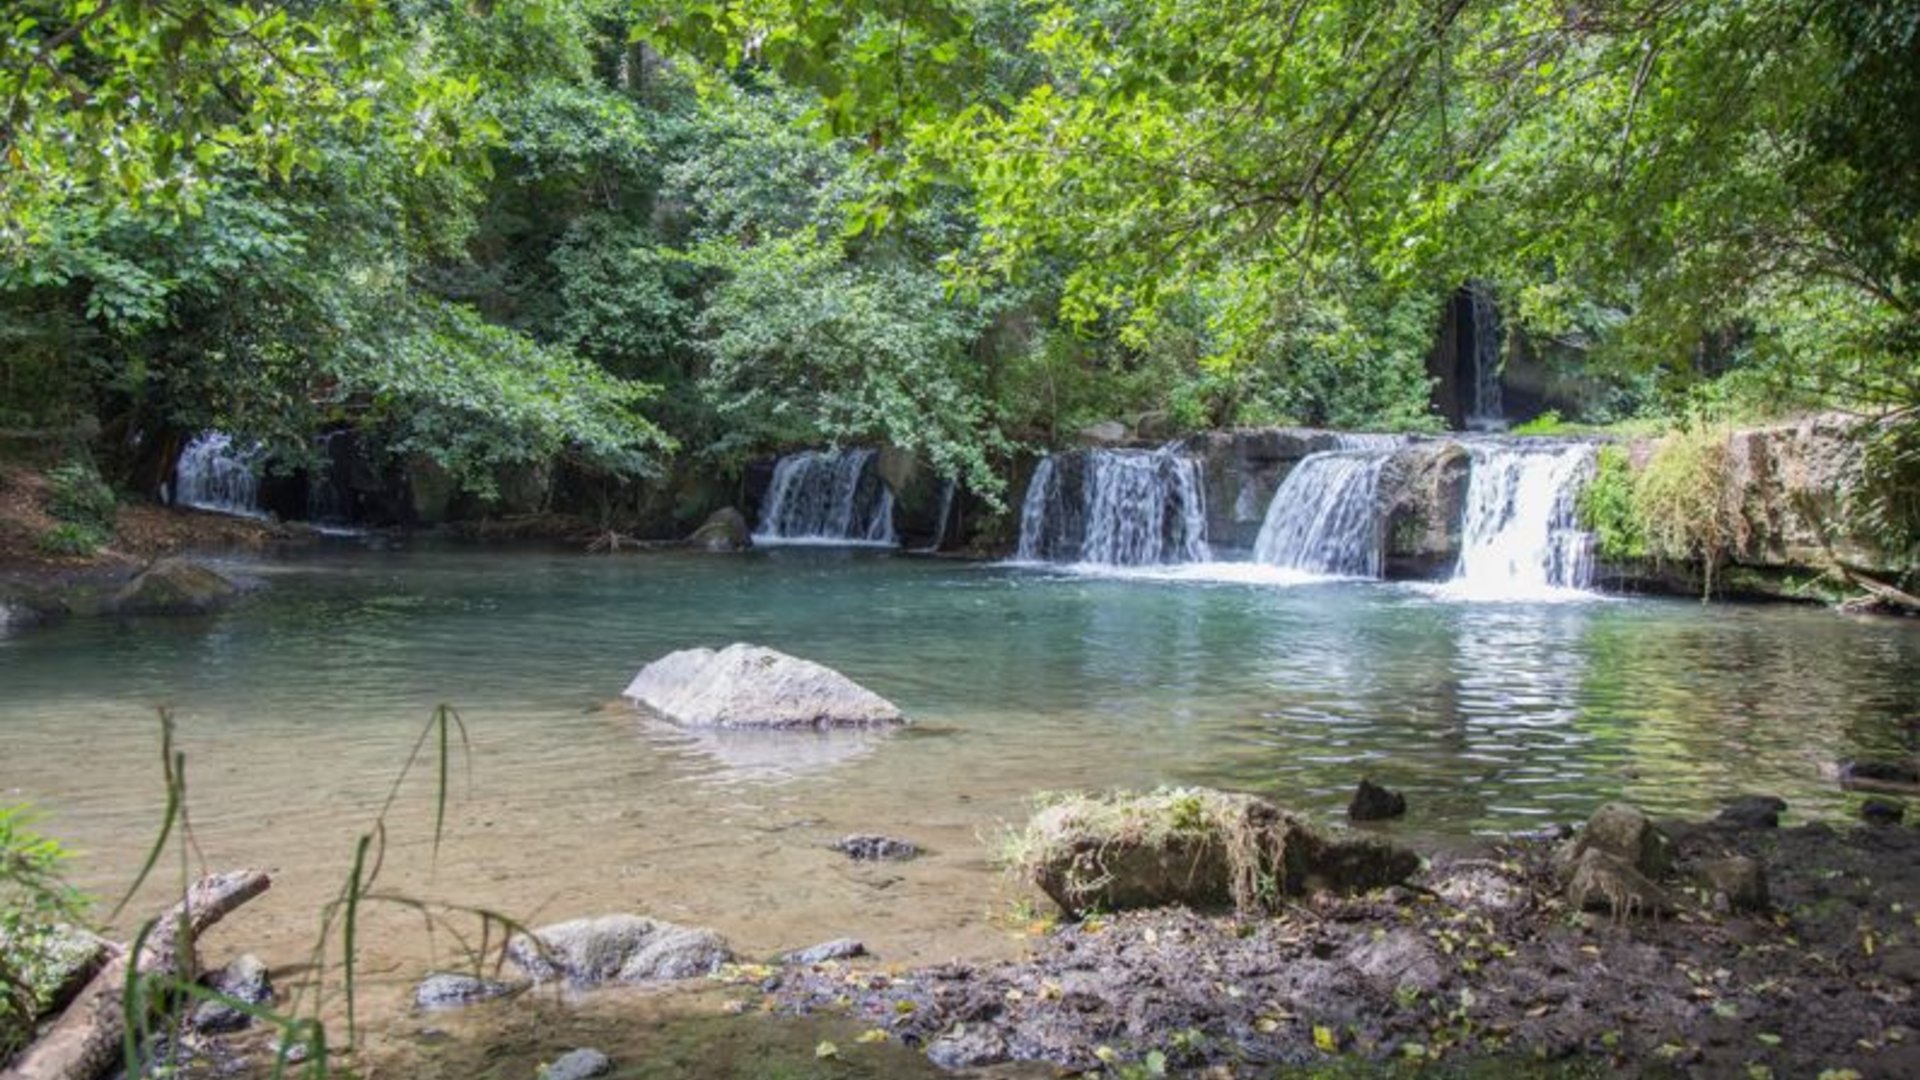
(79,496)
(72,539)
(33,902)
(1684,501)
(1606,508)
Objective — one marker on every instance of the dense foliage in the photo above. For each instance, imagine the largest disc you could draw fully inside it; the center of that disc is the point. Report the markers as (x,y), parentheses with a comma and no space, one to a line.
(604,233)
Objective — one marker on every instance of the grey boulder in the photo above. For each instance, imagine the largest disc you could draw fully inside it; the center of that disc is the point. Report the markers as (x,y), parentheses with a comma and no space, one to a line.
(747,686)
(619,948)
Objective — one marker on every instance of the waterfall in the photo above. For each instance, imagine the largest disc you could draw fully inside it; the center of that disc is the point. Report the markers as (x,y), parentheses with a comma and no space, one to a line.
(1485,410)
(1521,534)
(215,474)
(1115,508)
(827,498)
(1324,520)
(947,489)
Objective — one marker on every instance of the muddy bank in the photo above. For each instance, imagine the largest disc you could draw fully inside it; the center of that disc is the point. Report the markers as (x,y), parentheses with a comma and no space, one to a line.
(1480,957)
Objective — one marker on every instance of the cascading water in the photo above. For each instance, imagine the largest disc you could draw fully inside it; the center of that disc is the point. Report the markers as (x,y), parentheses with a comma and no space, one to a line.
(1324,520)
(947,490)
(827,498)
(1115,508)
(1486,410)
(1521,535)
(215,474)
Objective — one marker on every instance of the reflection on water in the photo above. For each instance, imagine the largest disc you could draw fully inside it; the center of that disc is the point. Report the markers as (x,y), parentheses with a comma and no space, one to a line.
(297,707)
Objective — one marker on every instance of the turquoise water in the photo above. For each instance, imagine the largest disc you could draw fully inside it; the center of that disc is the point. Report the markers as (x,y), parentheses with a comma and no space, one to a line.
(297,707)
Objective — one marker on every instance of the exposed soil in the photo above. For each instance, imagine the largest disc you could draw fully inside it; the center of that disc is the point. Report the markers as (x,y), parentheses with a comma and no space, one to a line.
(142,532)
(1480,960)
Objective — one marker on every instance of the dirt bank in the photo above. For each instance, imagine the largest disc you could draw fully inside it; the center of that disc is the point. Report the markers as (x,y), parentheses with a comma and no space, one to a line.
(1481,959)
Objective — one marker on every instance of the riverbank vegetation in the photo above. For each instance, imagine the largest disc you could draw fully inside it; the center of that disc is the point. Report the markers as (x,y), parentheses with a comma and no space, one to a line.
(618,238)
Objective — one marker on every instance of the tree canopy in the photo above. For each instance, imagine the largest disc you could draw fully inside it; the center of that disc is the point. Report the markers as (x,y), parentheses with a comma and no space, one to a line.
(619,232)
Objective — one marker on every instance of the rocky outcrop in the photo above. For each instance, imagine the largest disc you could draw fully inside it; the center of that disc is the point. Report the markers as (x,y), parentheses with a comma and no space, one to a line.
(619,948)
(1422,497)
(1242,469)
(747,686)
(174,587)
(1196,847)
(917,497)
(724,530)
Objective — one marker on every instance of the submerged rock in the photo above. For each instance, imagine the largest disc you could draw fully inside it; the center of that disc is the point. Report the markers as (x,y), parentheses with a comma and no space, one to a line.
(582,1064)
(874,848)
(1879,773)
(1196,847)
(244,979)
(725,529)
(1371,802)
(750,686)
(448,990)
(1753,812)
(174,587)
(619,948)
(1883,812)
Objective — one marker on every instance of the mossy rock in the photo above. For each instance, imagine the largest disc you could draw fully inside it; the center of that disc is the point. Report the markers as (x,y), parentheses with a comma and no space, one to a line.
(1196,847)
(174,587)
(724,530)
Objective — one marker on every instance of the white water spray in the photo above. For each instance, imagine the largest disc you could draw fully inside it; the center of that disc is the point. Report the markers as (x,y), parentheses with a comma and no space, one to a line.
(215,474)
(1521,536)
(827,498)
(1115,508)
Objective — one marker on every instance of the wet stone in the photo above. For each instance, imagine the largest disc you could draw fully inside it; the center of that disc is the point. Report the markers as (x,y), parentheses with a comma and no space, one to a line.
(1371,802)
(581,1064)
(449,990)
(1883,812)
(1752,812)
(244,979)
(874,848)
(837,949)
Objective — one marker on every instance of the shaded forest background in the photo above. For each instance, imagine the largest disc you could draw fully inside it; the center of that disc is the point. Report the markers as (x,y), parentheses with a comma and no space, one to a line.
(619,238)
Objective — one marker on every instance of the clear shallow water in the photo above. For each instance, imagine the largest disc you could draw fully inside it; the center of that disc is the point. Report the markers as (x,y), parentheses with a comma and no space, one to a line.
(297,707)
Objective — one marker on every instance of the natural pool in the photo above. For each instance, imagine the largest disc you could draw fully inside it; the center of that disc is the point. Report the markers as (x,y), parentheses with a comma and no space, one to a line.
(297,707)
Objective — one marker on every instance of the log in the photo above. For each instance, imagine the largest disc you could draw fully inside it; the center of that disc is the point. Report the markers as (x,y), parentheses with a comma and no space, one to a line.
(86,1041)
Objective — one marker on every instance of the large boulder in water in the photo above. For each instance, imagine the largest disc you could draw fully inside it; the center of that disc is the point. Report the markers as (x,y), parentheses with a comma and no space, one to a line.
(174,587)
(1196,847)
(747,686)
(619,948)
(724,530)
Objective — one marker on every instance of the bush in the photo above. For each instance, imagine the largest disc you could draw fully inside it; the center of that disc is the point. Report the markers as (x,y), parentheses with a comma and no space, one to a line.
(72,538)
(33,902)
(79,496)
(1684,501)
(1607,509)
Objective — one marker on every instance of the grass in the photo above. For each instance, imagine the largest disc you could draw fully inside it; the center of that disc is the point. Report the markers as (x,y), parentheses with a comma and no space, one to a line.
(1083,837)
(165,997)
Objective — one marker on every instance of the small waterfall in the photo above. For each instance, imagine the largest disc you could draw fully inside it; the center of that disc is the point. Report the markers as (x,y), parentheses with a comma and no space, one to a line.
(827,498)
(1324,520)
(1521,534)
(1115,508)
(215,474)
(1485,411)
(947,489)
